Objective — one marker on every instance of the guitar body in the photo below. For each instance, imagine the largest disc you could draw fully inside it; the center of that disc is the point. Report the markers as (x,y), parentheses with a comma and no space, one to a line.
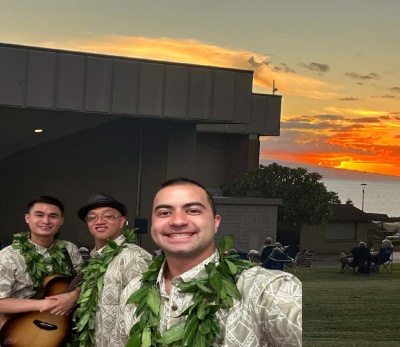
(39,329)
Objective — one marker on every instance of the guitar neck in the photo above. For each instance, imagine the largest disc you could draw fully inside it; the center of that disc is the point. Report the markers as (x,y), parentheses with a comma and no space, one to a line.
(74,283)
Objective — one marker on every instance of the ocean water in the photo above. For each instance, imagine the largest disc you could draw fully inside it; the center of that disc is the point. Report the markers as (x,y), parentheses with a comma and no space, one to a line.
(379,196)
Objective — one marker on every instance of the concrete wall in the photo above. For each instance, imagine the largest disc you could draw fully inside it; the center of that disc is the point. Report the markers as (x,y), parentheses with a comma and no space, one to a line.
(223,158)
(313,238)
(249,220)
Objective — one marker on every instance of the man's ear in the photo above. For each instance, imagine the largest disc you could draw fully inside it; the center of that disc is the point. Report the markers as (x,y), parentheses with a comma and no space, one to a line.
(26,217)
(217,221)
(124,222)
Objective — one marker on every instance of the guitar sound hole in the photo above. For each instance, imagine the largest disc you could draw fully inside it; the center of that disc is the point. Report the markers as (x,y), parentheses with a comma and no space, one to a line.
(43,325)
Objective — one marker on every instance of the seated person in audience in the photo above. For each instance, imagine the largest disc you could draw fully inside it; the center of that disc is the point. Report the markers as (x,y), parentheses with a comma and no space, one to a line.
(348,259)
(277,260)
(386,245)
(267,242)
(254,256)
(303,255)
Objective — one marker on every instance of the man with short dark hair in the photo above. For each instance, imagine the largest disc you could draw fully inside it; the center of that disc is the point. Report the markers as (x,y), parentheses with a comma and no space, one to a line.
(34,255)
(113,265)
(197,295)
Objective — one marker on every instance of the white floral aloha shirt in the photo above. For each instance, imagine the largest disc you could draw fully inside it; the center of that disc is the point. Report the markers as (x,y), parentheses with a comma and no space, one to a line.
(127,265)
(269,313)
(15,282)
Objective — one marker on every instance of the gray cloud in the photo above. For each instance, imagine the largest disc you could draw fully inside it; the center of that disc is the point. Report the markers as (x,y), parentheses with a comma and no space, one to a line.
(318,67)
(386,96)
(284,68)
(307,122)
(367,120)
(356,76)
(329,117)
(349,99)
(302,125)
(255,64)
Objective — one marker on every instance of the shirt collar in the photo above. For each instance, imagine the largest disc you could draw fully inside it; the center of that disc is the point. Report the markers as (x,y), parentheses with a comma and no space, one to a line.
(198,271)
(40,249)
(95,253)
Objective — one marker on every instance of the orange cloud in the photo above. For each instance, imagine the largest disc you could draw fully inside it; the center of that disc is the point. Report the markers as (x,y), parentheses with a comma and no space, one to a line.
(355,112)
(196,52)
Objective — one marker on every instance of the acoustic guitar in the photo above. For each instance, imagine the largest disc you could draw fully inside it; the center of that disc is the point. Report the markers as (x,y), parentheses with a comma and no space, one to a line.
(41,329)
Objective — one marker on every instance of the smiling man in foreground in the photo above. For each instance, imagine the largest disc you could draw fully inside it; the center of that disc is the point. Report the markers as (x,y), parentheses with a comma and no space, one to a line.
(197,296)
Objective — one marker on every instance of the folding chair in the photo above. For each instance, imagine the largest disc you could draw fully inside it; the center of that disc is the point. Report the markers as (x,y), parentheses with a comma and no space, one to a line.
(277,262)
(304,259)
(266,253)
(361,261)
(292,250)
(384,262)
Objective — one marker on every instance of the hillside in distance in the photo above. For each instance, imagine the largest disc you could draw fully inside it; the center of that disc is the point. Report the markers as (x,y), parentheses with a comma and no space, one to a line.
(340,174)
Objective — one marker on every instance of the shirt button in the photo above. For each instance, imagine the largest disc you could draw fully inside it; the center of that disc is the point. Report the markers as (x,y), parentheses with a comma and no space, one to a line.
(174,308)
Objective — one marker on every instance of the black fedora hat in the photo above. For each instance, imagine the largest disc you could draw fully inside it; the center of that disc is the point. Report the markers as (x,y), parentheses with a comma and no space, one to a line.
(100,200)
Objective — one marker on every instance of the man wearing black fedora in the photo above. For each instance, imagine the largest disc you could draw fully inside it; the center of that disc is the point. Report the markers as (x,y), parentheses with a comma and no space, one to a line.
(123,261)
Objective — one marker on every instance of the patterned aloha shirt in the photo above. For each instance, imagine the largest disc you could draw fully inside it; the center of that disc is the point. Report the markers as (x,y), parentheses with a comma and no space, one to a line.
(269,313)
(15,282)
(127,265)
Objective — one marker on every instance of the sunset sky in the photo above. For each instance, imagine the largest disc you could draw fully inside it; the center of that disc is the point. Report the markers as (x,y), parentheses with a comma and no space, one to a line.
(336,63)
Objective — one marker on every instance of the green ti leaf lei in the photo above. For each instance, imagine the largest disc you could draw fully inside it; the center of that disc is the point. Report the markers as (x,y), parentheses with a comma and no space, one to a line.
(217,291)
(93,272)
(36,265)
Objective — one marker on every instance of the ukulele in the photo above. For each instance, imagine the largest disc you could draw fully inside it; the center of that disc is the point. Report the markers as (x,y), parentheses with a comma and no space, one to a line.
(41,329)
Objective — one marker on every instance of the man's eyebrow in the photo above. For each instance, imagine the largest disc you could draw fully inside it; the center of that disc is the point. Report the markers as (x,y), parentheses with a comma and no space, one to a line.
(158,207)
(188,204)
(50,214)
(194,203)
(103,211)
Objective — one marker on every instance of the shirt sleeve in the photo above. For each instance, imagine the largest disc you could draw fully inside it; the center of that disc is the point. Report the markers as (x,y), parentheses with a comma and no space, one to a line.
(125,315)
(7,276)
(75,255)
(273,300)
(282,299)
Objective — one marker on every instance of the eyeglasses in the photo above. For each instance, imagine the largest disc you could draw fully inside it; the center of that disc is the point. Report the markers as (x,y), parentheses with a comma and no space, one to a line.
(104,216)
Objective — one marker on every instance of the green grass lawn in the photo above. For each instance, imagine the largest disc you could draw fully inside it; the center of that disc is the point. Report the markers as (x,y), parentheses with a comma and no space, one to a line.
(348,310)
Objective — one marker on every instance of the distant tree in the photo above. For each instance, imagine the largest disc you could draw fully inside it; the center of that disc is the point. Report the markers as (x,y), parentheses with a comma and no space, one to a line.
(305,197)
(349,202)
